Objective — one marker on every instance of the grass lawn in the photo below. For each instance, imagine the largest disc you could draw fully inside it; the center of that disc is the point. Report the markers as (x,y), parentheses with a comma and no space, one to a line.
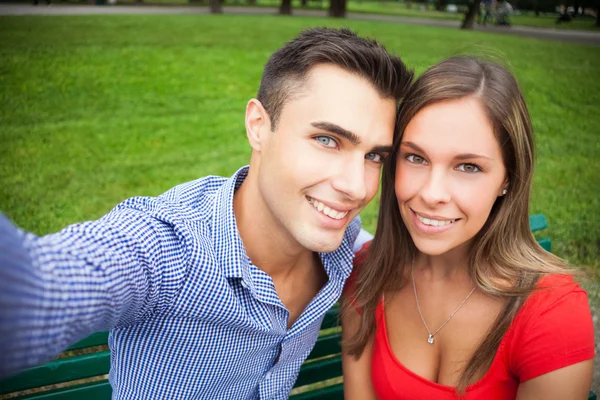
(94,109)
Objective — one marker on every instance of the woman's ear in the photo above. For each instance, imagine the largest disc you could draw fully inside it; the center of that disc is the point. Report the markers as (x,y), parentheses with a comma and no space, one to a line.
(258,124)
(504,188)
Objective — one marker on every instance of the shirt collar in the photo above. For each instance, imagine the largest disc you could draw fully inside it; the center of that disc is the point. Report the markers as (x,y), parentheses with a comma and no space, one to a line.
(228,245)
(340,260)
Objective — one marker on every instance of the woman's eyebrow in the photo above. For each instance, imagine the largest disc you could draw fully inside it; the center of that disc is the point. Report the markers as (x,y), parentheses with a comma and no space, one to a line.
(468,156)
(464,156)
(413,146)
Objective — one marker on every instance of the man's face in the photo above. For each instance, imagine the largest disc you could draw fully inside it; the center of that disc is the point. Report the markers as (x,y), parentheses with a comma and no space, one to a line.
(322,164)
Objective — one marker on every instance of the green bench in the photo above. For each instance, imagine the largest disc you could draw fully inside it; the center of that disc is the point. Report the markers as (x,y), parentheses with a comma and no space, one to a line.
(319,379)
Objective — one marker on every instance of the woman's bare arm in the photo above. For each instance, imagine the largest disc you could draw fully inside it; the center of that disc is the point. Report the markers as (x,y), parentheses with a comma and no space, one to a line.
(357,372)
(572,382)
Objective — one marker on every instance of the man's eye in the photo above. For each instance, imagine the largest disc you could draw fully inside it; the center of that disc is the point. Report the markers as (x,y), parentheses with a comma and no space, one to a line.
(378,158)
(471,168)
(326,141)
(415,159)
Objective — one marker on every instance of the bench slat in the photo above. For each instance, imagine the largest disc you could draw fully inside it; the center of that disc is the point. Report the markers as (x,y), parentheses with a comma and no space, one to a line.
(88,391)
(546,244)
(96,339)
(331,319)
(57,371)
(326,346)
(537,222)
(334,392)
(320,370)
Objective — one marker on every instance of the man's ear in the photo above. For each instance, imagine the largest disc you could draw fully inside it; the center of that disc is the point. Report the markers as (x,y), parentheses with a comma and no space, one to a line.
(258,124)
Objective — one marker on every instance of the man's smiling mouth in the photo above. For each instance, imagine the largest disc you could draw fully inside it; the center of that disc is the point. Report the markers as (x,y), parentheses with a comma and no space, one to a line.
(323,209)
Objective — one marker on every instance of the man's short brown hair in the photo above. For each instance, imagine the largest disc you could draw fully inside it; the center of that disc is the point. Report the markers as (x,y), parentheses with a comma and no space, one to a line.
(288,67)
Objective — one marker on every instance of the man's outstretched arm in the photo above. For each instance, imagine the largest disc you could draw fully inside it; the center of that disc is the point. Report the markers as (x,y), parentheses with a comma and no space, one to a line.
(89,277)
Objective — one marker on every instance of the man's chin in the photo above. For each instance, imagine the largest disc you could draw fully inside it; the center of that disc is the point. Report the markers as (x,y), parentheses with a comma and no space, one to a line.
(323,243)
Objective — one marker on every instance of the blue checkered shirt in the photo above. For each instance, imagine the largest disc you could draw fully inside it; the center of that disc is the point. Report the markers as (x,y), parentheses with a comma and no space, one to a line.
(190,316)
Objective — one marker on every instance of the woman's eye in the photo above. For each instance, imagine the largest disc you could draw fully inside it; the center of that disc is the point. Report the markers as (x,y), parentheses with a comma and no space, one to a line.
(415,159)
(326,141)
(468,168)
(378,158)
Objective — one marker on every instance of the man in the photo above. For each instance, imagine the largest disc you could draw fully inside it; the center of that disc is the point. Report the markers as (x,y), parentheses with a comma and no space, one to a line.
(488,7)
(503,10)
(217,288)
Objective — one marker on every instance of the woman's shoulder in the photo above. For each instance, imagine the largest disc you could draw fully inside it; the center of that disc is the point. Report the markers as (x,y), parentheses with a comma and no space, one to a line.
(555,280)
(557,300)
(553,329)
(555,290)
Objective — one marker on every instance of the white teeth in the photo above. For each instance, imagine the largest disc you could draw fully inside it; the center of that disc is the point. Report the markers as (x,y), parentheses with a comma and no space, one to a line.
(326,210)
(433,222)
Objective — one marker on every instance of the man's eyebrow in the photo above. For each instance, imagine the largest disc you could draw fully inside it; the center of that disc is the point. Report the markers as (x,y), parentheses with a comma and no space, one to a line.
(382,149)
(465,156)
(338,130)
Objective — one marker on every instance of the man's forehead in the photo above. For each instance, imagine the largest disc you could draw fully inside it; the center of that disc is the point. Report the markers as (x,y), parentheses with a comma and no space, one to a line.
(343,103)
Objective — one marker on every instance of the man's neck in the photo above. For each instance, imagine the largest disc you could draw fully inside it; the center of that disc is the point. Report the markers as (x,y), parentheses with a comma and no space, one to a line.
(296,272)
(269,246)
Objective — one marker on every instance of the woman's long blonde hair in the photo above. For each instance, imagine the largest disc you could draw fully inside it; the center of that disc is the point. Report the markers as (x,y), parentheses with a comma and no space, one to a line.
(505,260)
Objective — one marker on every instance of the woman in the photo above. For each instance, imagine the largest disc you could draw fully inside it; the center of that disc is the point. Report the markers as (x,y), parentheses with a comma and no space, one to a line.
(454,298)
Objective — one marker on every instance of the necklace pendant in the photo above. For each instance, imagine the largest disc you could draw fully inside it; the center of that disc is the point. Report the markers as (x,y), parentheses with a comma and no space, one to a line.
(430,339)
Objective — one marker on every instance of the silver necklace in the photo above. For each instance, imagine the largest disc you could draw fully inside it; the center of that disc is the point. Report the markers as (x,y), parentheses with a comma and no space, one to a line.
(431,335)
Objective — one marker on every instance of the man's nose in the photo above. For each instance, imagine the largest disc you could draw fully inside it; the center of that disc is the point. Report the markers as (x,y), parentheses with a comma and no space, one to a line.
(350,179)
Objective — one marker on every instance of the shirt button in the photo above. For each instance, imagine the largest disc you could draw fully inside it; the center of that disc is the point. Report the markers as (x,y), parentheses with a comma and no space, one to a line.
(268,375)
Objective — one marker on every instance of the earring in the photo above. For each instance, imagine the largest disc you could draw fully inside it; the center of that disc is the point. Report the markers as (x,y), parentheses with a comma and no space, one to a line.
(504,191)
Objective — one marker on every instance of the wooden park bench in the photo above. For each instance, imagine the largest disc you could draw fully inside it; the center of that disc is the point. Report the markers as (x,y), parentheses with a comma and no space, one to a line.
(83,376)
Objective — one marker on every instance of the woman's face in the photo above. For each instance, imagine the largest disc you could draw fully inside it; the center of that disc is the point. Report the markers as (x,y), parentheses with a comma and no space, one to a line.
(449,173)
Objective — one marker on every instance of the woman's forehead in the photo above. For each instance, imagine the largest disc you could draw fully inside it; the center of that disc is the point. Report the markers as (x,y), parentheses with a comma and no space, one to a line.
(454,126)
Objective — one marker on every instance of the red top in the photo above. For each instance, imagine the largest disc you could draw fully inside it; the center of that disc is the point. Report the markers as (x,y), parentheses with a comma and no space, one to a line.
(552,330)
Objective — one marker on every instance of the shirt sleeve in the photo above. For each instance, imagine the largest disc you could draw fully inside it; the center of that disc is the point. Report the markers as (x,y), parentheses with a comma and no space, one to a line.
(362,238)
(89,277)
(560,333)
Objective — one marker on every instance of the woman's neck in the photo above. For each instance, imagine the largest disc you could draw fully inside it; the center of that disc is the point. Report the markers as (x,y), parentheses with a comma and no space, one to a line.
(450,266)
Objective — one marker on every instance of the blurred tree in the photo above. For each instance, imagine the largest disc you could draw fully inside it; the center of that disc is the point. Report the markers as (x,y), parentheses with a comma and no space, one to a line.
(337,8)
(470,14)
(286,7)
(440,5)
(215,7)
(595,4)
